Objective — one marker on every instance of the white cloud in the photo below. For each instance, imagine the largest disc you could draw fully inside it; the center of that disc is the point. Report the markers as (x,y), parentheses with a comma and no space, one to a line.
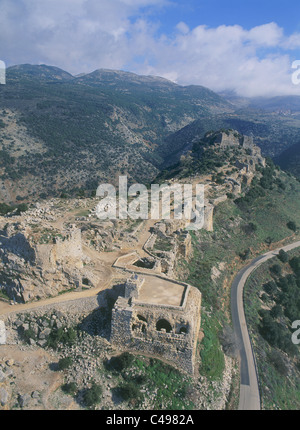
(182,27)
(265,35)
(83,35)
(252,62)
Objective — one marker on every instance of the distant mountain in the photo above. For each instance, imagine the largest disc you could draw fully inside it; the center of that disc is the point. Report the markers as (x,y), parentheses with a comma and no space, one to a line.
(41,73)
(60,132)
(271,104)
(279,103)
(273,132)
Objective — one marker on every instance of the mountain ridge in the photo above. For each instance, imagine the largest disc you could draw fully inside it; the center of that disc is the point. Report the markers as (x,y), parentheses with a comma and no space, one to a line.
(63,133)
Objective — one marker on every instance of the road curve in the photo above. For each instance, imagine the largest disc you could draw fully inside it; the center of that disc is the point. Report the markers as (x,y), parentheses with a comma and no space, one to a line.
(249,388)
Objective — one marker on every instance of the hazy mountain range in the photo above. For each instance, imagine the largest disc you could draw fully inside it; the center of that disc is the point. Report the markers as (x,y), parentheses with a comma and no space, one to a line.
(62,133)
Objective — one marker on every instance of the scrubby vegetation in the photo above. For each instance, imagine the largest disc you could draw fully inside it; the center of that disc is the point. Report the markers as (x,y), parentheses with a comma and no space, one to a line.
(272,304)
(17,209)
(92,395)
(243,229)
(61,336)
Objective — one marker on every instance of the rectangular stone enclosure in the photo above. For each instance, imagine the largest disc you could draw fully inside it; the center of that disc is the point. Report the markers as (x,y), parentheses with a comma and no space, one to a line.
(165,331)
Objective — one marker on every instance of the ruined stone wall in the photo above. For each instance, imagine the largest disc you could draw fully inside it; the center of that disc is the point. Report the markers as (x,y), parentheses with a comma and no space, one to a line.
(231,139)
(31,269)
(68,248)
(185,244)
(166,332)
(132,286)
(208,217)
(44,257)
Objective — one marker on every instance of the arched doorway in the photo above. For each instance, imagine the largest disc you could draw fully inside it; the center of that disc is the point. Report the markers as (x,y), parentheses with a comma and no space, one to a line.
(163,324)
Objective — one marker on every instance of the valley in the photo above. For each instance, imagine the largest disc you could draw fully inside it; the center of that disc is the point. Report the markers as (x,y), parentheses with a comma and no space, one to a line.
(95,302)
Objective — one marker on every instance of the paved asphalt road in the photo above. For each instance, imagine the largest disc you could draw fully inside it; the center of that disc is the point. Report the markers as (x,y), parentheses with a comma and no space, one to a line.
(249,389)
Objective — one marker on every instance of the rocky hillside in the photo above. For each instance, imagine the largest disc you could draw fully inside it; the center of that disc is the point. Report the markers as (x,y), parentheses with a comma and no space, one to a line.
(57,245)
(273,131)
(60,132)
(252,204)
(290,159)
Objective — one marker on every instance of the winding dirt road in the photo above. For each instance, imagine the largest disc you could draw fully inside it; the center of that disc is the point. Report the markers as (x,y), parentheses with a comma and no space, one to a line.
(249,387)
(103,259)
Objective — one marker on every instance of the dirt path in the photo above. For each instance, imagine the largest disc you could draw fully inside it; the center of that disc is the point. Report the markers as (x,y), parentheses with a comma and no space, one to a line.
(103,265)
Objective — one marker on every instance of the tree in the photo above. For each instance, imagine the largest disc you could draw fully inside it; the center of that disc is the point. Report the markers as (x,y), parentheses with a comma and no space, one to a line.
(121,362)
(276,311)
(275,270)
(250,228)
(64,363)
(270,287)
(69,388)
(129,391)
(245,254)
(283,256)
(292,226)
(295,265)
(92,396)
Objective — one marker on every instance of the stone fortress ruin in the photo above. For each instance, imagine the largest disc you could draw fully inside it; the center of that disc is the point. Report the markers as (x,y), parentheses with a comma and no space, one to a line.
(159,318)
(43,253)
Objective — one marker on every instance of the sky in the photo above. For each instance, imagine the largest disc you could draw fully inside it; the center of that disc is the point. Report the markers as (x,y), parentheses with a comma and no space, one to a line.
(245,46)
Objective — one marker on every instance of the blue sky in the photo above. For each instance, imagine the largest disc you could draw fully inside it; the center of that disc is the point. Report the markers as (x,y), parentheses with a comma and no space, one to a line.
(247,13)
(240,45)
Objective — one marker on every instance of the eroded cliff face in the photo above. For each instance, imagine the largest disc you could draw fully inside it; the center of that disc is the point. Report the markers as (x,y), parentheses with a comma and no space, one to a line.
(35,266)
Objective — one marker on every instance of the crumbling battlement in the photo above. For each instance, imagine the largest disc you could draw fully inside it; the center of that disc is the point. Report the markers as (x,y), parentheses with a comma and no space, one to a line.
(164,331)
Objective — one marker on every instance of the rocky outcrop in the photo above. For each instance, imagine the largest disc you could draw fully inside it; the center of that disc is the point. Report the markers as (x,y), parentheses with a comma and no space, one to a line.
(42,265)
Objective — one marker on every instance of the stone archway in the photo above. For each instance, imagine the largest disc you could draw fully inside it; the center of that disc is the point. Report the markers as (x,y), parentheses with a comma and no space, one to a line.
(163,325)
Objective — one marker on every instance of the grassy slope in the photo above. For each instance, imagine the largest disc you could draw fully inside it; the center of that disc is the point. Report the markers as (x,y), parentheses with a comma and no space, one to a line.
(230,239)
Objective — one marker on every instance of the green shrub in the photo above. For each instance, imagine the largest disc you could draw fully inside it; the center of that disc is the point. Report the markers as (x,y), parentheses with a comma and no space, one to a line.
(92,396)
(278,362)
(64,363)
(283,256)
(129,391)
(275,270)
(63,335)
(292,226)
(29,334)
(121,362)
(69,388)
